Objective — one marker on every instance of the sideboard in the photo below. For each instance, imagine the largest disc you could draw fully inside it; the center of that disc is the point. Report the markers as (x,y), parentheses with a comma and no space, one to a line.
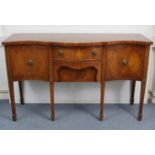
(77,58)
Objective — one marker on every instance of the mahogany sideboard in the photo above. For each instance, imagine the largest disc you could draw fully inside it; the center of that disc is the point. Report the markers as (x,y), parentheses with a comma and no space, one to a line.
(77,58)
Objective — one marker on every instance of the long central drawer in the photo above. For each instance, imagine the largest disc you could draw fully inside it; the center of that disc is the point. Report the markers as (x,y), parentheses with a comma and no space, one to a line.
(77,54)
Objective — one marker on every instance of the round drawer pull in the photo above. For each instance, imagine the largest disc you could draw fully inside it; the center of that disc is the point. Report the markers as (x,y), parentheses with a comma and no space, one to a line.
(30,62)
(125,62)
(93,53)
(61,53)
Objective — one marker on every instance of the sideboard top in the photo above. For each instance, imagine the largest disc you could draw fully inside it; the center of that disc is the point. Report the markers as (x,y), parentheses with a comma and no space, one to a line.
(76,39)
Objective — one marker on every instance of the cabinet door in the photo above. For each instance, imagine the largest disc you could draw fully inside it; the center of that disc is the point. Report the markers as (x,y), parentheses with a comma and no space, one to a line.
(29,62)
(125,62)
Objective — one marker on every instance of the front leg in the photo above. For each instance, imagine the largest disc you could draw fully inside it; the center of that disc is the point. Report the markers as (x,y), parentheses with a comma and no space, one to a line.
(102,102)
(13,107)
(52,100)
(20,84)
(142,93)
(133,84)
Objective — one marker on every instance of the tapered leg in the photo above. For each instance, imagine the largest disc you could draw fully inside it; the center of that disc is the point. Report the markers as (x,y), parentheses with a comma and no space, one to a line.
(133,83)
(52,100)
(102,102)
(13,107)
(20,83)
(142,93)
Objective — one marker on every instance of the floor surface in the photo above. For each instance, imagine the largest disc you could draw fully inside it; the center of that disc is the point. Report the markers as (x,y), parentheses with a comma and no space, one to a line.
(76,117)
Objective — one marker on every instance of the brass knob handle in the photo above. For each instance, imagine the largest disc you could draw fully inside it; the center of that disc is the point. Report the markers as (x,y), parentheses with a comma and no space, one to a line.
(30,62)
(93,53)
(125,62)
(61,53)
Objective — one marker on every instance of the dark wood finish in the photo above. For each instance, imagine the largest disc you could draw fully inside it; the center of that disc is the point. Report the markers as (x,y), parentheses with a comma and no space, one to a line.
(20,83)
(133,84)
(125,62)
(142,93)
(143,83)
(77,72)
(11,88)
(29,62)
(77,54)
(77,58)
(13,107)
(76,39)
(103,63)
(52,100)
(51,75)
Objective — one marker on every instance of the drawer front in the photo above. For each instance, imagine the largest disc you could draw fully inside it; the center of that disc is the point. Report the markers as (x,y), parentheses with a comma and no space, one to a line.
(29,62)
(77,54)
(77,72)
(125,62)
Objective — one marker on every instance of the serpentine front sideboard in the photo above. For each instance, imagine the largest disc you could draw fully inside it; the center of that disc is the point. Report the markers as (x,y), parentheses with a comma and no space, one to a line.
(77,58)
